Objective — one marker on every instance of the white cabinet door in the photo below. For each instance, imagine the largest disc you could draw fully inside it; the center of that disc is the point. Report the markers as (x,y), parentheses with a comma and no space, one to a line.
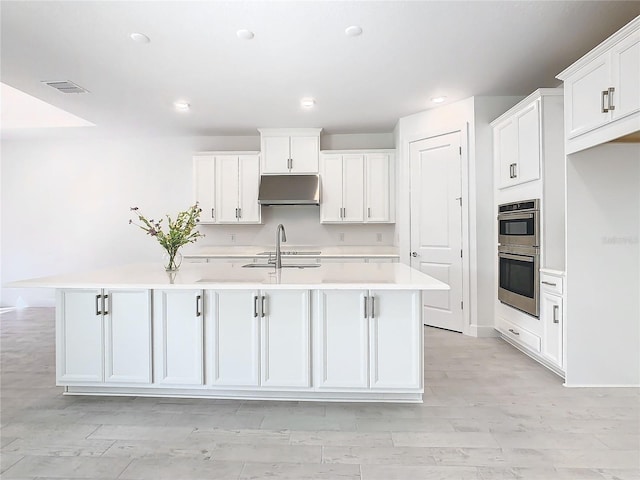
(378,187)
(285,338)
(584,97)
(528,166)
(331,177)
(395,339)
(551,315)
(304,152)
(625,62)
(233,331)
(342,335)
(79,332)
(506,150)
(227,188)
(127,317)
(204,182)
(275,154)
(249,183)
(353,188)
(178,337)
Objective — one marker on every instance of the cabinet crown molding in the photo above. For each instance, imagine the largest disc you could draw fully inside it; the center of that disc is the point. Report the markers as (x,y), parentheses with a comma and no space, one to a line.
(541,92)
(289,131)
(602,48)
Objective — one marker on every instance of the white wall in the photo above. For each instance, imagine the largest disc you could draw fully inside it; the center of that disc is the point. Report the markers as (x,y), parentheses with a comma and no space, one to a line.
(603,277)
(65,203)
(472,117)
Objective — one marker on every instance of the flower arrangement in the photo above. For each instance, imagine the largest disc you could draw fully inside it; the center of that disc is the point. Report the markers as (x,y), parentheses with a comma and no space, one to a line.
(181,231)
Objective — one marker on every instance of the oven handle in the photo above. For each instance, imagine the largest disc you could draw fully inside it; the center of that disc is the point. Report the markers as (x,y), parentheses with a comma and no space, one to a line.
(515,216)
(522,258)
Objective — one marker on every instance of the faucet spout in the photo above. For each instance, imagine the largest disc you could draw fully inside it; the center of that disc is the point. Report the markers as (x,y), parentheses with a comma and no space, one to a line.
(281,235)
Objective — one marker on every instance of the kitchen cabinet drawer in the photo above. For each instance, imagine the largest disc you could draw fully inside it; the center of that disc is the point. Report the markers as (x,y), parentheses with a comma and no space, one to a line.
(519,334)
(551,283)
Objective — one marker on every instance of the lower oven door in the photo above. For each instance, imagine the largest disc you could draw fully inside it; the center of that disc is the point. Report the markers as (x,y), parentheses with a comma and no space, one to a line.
(518,278)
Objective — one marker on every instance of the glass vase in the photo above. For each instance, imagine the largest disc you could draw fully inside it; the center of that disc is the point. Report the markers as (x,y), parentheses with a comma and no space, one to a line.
(172,262)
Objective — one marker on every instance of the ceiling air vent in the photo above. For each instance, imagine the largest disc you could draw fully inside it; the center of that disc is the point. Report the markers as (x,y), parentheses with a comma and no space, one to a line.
(65,86)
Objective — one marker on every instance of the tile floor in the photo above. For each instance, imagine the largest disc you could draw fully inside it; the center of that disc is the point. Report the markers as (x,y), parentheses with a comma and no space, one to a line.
(489,412)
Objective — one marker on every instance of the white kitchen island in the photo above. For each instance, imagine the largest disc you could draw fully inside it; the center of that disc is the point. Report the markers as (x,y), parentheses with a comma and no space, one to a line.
(338,332)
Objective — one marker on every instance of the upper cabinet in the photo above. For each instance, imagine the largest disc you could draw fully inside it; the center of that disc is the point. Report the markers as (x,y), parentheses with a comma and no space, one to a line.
(520,137)
(290,150)
(602,91)
(226,186)
(357,186)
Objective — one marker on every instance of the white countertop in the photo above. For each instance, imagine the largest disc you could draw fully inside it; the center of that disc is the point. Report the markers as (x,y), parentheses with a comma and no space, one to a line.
(232,276)
(245,251)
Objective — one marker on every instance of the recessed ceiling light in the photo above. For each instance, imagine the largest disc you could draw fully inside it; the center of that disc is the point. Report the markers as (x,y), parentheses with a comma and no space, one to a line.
(139,38)
(182,106)
(438,99)
(353,31)
(245,34)
(307,102)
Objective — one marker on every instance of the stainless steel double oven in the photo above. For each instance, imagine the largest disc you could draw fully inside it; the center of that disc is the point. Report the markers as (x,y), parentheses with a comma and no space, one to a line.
(519,255)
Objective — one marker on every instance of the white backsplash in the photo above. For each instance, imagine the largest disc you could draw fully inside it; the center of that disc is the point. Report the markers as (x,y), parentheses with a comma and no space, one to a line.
(303,227)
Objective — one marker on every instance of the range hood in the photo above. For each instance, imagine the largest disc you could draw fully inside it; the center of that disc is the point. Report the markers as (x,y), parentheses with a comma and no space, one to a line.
(289,190)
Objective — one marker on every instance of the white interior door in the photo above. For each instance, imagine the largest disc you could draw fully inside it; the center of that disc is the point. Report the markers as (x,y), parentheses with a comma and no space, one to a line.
(436,225)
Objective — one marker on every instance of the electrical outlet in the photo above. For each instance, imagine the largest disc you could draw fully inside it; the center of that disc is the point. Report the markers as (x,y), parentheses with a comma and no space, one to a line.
(341,236)
(233,237)
(378,237)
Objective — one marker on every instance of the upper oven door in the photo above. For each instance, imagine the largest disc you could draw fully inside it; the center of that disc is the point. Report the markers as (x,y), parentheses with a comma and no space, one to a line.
(518,228)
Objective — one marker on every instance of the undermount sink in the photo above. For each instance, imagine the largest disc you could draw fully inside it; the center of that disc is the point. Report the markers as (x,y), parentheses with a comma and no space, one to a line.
(290,265)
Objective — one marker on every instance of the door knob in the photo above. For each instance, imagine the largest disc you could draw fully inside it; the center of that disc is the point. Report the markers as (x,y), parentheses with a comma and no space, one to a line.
(414,254)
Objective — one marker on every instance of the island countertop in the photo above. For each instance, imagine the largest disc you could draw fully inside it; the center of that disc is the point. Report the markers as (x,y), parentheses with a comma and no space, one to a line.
(233,276)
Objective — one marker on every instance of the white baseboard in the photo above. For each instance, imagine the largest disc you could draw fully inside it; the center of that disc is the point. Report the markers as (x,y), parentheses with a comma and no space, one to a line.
(482,331)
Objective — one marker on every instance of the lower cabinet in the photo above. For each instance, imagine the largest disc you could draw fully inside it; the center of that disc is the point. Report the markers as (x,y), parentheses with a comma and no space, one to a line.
(552,317)
(103,336)
(260,342)
(258,338)
(368,339)
(178,326)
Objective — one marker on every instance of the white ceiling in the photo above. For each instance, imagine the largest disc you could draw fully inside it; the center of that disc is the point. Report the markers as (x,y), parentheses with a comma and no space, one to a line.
(408,53)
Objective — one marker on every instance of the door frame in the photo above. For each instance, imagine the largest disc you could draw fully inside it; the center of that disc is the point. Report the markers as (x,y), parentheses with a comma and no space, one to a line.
(463,129)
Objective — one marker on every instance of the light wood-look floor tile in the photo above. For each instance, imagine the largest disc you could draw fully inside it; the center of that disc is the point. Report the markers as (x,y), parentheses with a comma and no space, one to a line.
(489,413)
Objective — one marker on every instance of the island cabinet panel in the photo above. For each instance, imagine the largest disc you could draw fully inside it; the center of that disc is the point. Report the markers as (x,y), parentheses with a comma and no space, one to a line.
(232,338)
(178,337)
(80,336)
(127,336)
(342,340)
(285,338)
(104,335)
(395,339)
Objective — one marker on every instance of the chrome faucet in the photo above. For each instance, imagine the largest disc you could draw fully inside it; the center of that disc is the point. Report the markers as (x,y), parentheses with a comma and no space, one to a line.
(280,235)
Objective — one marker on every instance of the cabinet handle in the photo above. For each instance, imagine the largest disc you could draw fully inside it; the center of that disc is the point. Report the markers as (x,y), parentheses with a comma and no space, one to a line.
(255,306)
(340,212)
(515,170)
(611,106)
(344,212)
(368,212)
(263,307)
(514,332)
(604,93)
(105,304)
(366,300)
(373,306)
(98,312)
(213,214)
(556,310)
(198,309)
(548,283)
